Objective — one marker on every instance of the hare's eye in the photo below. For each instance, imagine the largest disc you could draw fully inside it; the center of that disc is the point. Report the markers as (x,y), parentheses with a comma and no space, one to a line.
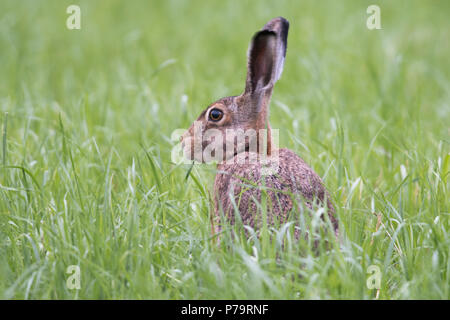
(215,115)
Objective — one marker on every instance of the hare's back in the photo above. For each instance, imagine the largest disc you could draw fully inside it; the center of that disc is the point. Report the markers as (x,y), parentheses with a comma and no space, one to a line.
(289,176)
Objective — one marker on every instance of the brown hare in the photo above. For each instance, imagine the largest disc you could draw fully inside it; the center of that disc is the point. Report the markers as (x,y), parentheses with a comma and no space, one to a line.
(240,174)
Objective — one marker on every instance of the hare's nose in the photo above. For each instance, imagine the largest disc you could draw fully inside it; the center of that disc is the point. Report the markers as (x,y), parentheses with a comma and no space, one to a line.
(184,136)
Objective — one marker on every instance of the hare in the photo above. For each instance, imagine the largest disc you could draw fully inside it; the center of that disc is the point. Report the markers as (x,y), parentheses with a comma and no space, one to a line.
(240,169)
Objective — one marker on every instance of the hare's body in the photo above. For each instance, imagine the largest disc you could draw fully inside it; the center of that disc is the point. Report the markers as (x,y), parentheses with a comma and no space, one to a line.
(223,127)
(295,180)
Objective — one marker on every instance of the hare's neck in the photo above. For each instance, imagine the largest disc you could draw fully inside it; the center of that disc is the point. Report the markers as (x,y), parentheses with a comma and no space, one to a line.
(265,147)
(264,137)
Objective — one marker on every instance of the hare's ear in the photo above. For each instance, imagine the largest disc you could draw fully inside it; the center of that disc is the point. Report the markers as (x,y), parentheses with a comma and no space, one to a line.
(266,56)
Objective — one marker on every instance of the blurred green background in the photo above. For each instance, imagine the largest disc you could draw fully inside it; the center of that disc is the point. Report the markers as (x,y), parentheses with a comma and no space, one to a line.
(87,117)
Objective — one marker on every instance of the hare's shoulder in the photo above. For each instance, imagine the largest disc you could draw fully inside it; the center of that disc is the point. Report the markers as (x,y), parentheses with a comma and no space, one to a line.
(292,176)
(284,170)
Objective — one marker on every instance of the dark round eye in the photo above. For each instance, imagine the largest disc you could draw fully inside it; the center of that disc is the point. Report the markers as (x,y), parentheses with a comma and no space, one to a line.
(215,115)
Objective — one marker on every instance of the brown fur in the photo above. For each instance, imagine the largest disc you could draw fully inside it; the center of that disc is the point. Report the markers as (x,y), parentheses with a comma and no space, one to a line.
(233,182)
(294,179)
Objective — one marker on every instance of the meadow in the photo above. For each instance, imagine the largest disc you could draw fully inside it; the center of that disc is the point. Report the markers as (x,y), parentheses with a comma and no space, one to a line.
(86,177)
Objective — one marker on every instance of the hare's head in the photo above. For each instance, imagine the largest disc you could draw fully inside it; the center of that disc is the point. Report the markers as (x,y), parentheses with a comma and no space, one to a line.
(235,124)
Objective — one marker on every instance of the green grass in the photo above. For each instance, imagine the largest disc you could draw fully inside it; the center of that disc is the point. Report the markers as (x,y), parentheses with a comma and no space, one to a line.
(87,117)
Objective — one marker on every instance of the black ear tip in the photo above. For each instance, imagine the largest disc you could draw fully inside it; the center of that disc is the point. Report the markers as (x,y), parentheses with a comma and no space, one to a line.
(284,22)
(279,26)
(284,29)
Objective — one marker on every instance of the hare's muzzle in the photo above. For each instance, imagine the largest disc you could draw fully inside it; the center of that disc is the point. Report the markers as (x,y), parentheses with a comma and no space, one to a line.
(187,145)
